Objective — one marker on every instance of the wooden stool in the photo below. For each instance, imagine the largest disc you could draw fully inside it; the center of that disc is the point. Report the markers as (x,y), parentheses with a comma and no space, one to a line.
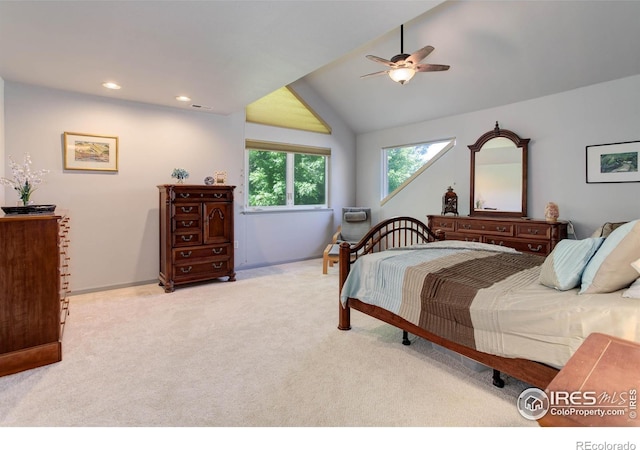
(329,257)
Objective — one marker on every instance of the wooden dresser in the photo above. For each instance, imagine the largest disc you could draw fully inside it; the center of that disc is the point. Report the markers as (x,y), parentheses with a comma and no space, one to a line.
(196,234)
(525,235)
(34,288)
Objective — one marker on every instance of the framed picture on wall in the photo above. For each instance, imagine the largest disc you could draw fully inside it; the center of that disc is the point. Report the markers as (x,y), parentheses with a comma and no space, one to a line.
(613,163)
(90,152)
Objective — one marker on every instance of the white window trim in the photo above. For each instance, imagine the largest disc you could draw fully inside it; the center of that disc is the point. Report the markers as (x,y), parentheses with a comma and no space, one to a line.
(290,150)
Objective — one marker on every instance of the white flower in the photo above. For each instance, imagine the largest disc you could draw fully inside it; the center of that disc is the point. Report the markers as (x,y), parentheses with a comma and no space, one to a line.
(25,180)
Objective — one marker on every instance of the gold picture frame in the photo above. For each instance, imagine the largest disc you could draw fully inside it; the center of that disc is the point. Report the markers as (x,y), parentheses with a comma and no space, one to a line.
(220,177)
(90,152)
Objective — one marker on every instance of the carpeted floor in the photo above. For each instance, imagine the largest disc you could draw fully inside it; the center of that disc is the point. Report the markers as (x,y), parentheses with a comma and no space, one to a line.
(263,351)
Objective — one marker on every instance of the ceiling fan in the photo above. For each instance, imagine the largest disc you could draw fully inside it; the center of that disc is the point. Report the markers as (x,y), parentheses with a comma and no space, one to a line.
(402,67)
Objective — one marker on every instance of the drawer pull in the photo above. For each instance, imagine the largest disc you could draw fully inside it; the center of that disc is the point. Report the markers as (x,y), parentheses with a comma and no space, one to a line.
(537,249)
(496,243)
(186,254)
(444,224)
(187,224)
(187,210)
(184,195)
(186,269)
(187,239)
(466,226)
(217,251)
(501,229)
(217,265)
(217,195)
(470,239)
(533,231)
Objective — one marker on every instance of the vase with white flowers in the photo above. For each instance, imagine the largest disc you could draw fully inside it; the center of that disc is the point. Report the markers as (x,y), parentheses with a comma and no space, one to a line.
(25,180)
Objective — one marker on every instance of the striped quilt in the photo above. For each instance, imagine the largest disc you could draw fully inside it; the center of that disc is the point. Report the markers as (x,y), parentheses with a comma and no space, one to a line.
(488,298)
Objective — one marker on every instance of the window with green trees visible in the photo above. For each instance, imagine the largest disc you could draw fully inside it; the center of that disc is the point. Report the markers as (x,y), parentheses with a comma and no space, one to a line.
(285,175)
(402,164)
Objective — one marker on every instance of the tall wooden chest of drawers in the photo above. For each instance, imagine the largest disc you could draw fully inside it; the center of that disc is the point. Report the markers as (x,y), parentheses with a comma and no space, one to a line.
(34,288)
(525,235)
(196,234)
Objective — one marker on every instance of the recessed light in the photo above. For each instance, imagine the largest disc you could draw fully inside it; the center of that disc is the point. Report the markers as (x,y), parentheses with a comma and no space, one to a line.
(183,98)
(110,85)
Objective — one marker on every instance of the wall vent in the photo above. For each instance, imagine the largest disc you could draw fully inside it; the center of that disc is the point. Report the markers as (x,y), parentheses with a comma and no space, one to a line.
(206,108)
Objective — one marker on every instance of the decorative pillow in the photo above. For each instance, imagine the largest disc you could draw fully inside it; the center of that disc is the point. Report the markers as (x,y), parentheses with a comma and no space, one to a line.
(606,229)
(562,269)
(610,268)
(355,216)
(633,291)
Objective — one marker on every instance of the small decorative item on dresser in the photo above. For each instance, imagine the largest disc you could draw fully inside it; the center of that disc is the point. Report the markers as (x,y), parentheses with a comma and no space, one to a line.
(450,202)
(220,177)
(180,175)
(209,181)
(24,180)
(551,212)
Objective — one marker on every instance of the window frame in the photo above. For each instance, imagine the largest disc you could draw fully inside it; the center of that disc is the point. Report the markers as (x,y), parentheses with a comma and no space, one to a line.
(290,150)
(384,185)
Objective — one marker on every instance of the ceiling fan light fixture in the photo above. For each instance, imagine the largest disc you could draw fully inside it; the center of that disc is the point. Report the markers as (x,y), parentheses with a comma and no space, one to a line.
(402,74)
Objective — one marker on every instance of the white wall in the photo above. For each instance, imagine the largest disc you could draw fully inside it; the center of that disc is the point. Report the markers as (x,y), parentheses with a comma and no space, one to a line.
(560,127)
(114,216)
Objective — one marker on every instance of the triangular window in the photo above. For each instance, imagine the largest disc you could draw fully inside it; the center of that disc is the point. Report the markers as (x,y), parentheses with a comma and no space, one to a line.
(402,164)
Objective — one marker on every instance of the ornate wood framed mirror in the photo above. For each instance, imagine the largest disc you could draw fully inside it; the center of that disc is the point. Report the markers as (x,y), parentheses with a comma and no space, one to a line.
(499,174)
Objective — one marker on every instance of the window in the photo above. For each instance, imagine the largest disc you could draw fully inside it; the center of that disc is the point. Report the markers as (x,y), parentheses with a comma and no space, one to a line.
(402,164)
(286,176)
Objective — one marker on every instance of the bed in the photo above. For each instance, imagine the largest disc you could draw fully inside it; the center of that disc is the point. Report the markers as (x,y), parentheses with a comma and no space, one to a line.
(484,301)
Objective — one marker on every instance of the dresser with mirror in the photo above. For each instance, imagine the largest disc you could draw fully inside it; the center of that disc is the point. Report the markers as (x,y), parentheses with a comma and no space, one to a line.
(498,199)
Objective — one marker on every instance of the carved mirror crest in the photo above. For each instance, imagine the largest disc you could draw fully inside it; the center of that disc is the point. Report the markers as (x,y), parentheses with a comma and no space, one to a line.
(499,174)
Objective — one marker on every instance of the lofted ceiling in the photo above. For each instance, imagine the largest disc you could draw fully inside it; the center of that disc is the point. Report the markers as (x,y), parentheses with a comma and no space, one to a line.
(228,54)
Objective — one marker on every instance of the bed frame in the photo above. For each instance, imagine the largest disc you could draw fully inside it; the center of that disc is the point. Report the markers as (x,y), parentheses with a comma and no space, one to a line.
(404,231)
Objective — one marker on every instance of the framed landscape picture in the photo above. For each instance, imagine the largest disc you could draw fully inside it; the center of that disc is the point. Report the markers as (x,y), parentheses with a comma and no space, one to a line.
(613,163)
(90,152)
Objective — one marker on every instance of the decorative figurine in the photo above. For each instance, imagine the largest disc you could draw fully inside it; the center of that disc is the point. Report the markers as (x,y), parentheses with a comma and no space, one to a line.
(450,202)
(551,212)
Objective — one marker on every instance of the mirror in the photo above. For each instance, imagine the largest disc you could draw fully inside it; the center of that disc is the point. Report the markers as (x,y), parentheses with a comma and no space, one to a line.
(499,174)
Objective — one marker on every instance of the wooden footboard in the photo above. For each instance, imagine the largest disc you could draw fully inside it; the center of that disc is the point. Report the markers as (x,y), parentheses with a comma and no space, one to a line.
(401,232)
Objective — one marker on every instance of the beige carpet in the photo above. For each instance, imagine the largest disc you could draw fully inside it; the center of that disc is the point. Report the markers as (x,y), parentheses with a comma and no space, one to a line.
(261,352)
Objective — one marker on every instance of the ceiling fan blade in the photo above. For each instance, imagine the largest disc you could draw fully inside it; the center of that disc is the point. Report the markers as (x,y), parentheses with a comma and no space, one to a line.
(377,59)
(374,74)
(419,55)
(431,67)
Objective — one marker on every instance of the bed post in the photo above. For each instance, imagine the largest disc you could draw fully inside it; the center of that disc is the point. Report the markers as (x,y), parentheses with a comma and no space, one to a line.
(344,265)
